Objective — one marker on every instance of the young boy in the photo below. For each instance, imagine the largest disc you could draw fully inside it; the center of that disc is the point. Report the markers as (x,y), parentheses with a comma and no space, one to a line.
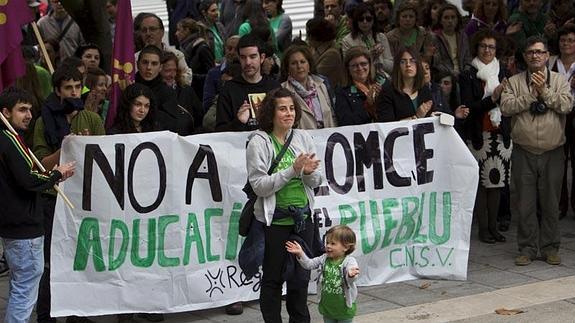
(339,271)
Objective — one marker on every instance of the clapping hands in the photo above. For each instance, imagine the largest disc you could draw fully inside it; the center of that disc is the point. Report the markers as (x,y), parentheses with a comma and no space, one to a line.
(306,164)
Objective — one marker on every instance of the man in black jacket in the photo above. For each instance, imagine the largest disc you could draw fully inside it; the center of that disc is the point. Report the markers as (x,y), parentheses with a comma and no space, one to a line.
(234,108)
(21,223)
(169,114)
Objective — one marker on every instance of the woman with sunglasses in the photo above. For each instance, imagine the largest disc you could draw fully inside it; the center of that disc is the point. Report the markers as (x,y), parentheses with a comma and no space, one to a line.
(364,33)
(405,97)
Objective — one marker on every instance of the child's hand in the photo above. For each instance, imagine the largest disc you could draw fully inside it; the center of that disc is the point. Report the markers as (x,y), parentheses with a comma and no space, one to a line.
(354,271)
(294,248)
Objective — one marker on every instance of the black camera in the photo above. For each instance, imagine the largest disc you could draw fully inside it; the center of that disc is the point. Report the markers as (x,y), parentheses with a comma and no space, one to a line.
(538,108)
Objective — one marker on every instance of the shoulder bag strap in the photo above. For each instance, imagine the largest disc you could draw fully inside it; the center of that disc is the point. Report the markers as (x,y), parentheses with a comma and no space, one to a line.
(65,30)
(279,157)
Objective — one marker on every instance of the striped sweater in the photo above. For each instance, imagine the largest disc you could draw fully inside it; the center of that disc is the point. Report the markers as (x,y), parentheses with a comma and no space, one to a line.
(20,187)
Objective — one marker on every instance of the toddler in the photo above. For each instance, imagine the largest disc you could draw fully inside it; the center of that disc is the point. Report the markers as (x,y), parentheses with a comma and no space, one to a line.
(336,284)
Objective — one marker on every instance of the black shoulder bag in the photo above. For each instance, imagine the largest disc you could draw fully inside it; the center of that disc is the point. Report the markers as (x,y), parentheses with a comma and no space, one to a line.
(248,210)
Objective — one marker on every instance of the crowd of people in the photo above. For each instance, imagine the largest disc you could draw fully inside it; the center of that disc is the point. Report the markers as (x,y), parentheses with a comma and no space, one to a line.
(505,71)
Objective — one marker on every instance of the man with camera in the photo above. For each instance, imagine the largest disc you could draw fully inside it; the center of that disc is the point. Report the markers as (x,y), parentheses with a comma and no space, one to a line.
(537,101)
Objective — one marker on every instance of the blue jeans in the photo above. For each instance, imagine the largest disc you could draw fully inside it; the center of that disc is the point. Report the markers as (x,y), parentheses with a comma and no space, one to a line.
(328,320)
(26,261)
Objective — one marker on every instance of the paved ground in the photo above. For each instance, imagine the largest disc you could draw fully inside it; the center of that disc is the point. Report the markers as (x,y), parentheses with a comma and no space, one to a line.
(545,293)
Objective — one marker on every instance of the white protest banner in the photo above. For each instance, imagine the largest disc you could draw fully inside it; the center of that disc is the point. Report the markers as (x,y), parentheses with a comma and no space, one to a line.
(155,224)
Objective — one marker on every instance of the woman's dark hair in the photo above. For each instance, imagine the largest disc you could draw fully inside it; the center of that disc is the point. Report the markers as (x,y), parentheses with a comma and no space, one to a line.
(319,29)
(397,78)
(267,111)
(304,49)
(72,62)
(357,14)
(442,10)
(479,10)
(264,34)
(279,4)
(406,6)
(254,13)
(508,47)
(80,51)
(481,35)
(92,76)
(354,52)
(204,5)
(427,20)
(123,122)
(565,30)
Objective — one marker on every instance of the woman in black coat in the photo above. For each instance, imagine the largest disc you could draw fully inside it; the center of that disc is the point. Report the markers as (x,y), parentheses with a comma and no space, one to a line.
(486,131)
(199,55)
(355,103)
(405,97)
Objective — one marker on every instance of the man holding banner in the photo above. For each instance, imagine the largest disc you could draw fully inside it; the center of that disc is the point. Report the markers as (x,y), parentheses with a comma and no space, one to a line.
(62,114)
(21,226)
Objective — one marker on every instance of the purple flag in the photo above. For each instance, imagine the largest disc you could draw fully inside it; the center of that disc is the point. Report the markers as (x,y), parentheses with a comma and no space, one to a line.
(123,65)
(13,14)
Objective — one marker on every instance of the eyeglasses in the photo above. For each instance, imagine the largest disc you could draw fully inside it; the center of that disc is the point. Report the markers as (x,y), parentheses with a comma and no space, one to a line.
(411,61)
(366,18)
(535,52)
(151,29)
(358,65)
(487,47)
(566,40)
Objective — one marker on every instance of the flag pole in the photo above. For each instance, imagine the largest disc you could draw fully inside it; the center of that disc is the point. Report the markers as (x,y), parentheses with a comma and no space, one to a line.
(42,47)
(37,162)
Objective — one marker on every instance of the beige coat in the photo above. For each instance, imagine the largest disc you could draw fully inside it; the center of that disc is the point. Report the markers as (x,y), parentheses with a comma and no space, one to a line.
(541,133)
(307,118)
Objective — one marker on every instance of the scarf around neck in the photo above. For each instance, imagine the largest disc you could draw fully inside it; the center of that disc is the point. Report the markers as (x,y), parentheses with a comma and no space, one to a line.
(489,73)
(309,96)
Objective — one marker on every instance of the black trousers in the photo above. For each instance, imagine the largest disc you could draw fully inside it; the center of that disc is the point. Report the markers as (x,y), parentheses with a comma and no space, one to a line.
(43,305)
(271,286)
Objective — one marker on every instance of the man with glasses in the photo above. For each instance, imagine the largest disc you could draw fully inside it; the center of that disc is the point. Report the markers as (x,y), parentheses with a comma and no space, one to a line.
(151,32)
(537,101)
